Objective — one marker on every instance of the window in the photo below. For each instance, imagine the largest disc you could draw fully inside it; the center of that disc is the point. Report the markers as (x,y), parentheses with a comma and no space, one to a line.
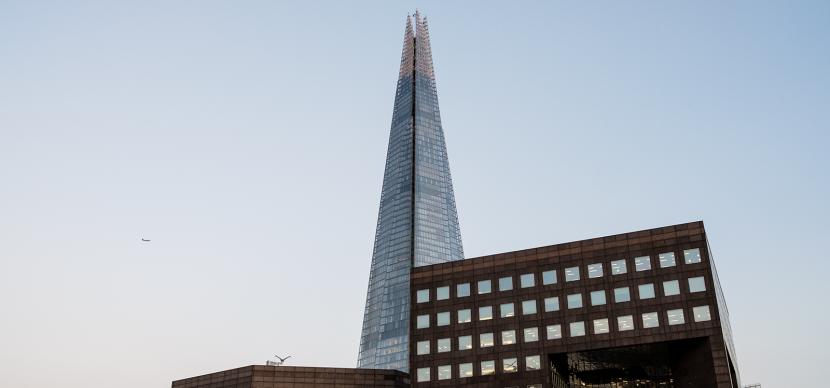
(697,284)
(527,280)
(488,368)
(621,295)
(485,313)
(549,277)
(671,287)
(691,256)
(444,372)
(552,304)
(423,347)
(531,334)
(666,260)
(601,326)
(422,296)
(533,363)
(442,293)
(529,307)
(597,298)
(675,317)
(484,287)
(485,340)
(618,267)
(465,342)
(423,374)
(577,329)
(465,370)
(701,313)
(462,290)
(506,310)
(650,320)
(571,274)
(625,322)
(594,270)
(574,301)
(646,291)
(508,337)
(423,322)
(510,365)
(506,284)
(642,263)
(465,315)
(443,319)
(554,331)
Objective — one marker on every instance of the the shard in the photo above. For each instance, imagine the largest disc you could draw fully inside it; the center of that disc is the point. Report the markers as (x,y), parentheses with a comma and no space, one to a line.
(417,221)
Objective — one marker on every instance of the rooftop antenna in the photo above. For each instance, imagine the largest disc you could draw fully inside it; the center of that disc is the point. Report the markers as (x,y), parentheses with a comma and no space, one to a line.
(277,363)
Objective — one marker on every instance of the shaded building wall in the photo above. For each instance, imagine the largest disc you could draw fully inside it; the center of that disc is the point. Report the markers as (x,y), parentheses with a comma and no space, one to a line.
(257,376)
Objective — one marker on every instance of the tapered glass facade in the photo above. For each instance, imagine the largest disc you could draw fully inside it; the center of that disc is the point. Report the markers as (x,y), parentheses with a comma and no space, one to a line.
(417,221)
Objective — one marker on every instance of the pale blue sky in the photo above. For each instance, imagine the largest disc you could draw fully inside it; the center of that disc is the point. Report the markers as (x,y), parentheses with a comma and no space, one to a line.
(247,140)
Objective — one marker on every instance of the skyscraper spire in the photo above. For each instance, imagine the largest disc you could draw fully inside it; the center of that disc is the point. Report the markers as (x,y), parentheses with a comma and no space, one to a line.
(417,221)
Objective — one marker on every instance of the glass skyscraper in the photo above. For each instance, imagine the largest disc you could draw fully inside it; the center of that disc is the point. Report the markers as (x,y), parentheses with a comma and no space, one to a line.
(417,221)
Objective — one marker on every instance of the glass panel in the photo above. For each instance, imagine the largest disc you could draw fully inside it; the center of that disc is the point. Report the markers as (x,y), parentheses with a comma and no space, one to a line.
(598,298)
(571,274)
(531,334)
(444,345)
(601,326)
(671,287)
(510,365)
(622,294)
(488,367)
(443,319)
(508,337)
(423,347)
(506,310)
(691,256)
(574,301)
(423,322)
(646,291)
(650,320)
(423,374)
(465,342)
(642,263)
(423,296)
(442,293)
(675,317)
(697,284)
(549,277)
(527,280)
(701,313)
(506,284)
(552,304)
(485,340)
(554,331)
(528,307)
(577,329)
(484,287)
(595,270)
(625,323)
(618,267)
(465,315)
(485,313)
(444,372)
(462,290)
(465,370)
(666,260)
(533,363)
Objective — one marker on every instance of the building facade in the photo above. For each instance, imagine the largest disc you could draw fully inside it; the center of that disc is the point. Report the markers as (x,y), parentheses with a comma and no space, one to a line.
(640,309)
(260,376)
(417,221)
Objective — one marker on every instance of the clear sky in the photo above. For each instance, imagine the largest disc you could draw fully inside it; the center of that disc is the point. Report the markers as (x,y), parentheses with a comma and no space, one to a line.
(247,140)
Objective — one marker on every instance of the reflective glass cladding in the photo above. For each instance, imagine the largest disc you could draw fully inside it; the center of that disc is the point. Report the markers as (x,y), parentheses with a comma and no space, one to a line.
(417,221)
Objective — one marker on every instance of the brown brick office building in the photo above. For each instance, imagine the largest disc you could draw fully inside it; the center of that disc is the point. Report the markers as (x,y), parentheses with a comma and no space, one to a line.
(260,376)
(637,309)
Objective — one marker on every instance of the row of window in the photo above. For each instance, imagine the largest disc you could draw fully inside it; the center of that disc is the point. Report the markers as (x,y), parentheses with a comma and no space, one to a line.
(618,267)
(574,301)
(553,332)
(487,367)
